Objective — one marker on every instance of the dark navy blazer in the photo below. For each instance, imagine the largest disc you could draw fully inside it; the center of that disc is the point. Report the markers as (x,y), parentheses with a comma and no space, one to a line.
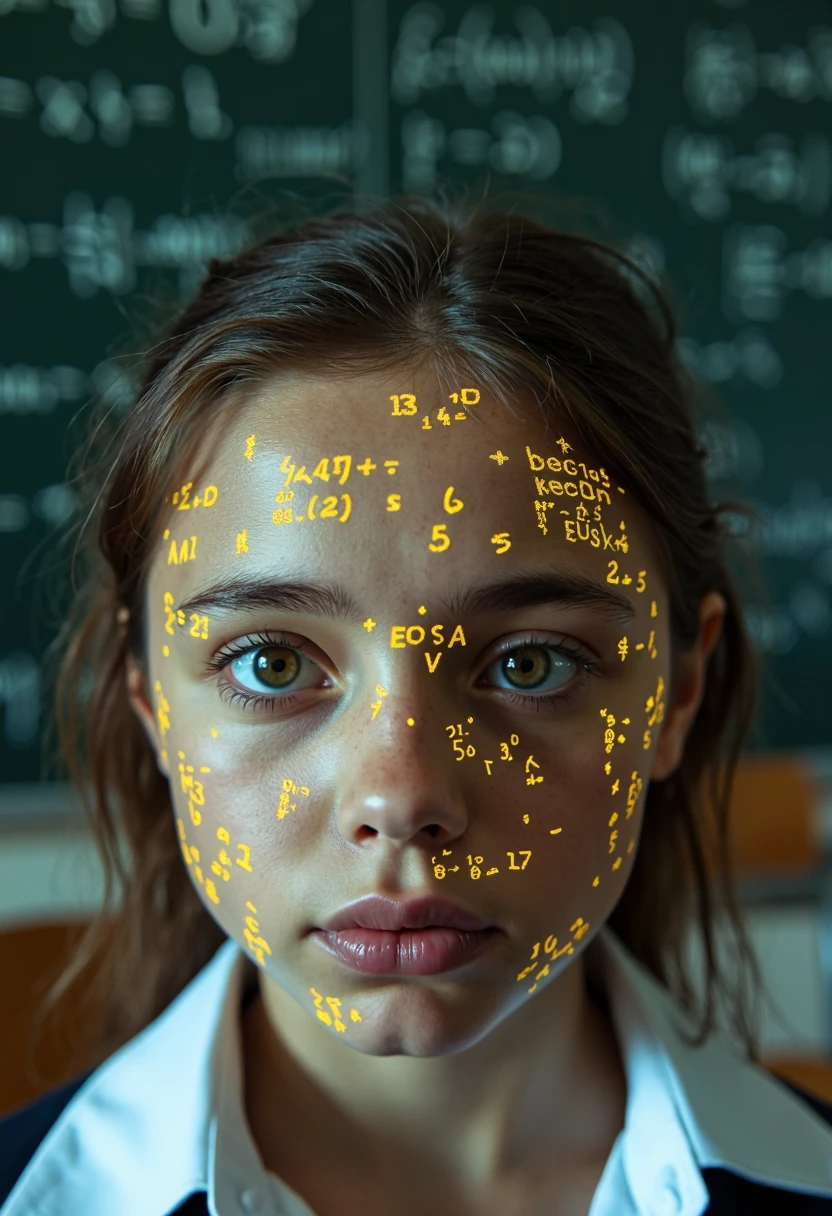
(730,1195)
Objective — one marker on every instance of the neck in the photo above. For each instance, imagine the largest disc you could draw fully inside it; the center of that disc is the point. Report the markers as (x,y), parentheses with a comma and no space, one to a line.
(546,1082)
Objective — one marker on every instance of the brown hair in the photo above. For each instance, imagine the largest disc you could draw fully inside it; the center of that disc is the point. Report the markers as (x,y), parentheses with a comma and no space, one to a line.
(468,289)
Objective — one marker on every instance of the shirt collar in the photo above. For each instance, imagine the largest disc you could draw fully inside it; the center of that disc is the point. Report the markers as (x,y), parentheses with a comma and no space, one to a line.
(138,1135)
(700,1107)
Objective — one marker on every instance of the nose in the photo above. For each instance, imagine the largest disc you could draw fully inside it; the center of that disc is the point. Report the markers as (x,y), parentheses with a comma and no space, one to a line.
(397,785)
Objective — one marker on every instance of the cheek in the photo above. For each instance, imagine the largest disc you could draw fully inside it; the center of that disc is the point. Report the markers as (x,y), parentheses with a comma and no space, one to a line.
(584,817)
(243,829)
(585,836)
(587,783)
(221,791)
(554,837)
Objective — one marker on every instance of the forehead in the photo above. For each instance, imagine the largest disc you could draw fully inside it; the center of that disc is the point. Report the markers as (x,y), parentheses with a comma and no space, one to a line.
(394,480)
(408,419)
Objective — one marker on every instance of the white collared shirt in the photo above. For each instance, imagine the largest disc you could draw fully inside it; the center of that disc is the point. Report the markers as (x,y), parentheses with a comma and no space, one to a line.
(164,1115)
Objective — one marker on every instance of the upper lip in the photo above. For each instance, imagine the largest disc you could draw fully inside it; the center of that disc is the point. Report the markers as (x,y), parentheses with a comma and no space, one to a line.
(378,912)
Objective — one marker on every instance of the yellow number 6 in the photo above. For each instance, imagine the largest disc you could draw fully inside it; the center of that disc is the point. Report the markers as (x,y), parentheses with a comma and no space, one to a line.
(451,504)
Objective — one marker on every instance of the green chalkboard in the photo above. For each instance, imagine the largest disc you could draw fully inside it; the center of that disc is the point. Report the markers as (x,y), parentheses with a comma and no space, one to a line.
(137,136)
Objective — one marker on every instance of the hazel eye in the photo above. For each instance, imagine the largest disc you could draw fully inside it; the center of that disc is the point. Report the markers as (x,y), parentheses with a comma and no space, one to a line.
(272,668)
(529,667)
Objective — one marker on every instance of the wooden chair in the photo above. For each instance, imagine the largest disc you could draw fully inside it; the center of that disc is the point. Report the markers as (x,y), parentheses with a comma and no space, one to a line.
(30,958)
(775,833)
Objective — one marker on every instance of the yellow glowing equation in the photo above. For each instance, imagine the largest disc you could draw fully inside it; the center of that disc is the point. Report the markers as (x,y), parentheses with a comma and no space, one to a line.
(192,860)
(333,1017)
(475,863)
(184,500)
(329,510)
(284,806)
(655,711)
(198,623)
(182,551)
(405,406)
(552,953)
(192,788)
(162,709)
(341,468)
(251,932)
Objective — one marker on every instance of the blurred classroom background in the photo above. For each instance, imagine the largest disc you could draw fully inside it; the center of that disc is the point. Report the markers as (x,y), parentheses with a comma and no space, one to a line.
(138,138)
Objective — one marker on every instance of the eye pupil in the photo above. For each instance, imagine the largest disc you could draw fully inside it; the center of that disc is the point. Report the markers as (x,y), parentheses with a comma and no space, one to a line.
(527,661)
(271,662)
(263,663)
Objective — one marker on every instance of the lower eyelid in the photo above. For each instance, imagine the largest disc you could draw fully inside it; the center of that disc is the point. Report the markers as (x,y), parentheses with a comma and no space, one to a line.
(245,699)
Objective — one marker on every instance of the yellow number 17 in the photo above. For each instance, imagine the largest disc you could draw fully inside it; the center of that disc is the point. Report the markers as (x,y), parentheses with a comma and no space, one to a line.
(523,853)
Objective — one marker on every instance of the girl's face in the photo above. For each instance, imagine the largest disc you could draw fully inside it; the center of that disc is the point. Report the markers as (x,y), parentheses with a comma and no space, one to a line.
(465,703)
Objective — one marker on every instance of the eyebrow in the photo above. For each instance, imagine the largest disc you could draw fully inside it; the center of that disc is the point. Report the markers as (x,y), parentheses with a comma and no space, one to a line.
(524,589)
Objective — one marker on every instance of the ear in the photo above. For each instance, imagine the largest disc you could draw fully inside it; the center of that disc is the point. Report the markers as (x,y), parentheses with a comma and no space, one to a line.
(690,687)
(140,700)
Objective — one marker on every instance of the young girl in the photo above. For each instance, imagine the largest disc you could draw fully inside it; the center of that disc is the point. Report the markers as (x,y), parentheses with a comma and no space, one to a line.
(405,688)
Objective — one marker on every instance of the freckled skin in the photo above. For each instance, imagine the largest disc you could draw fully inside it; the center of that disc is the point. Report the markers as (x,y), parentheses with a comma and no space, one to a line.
(385,797)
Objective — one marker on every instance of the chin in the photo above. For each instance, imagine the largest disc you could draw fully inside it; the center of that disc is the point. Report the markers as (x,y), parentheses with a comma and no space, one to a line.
(418,1023)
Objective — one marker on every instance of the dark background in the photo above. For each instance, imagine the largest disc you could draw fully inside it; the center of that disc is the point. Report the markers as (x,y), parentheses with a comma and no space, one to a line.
(137,136)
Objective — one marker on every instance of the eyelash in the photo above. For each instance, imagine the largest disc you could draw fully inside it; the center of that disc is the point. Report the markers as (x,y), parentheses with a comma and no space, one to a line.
(254,701)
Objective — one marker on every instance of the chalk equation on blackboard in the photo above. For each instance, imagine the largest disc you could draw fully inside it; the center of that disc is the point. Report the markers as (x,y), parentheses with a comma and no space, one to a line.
(595,67)
(267,29)
(39,390)
(70,109)
(105,109)
(704,170)
(514,145)
(102,250)
(725,71)
(759,270)
(749,355)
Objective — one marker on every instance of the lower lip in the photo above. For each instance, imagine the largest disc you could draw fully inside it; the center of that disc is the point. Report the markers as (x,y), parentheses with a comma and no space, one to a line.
(405,951)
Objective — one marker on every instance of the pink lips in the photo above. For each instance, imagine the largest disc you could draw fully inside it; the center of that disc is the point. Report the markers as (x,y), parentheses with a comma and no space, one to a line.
(424,936)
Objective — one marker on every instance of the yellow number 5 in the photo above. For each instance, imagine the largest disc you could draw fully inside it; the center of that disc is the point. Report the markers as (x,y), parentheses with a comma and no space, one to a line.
(439,533)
